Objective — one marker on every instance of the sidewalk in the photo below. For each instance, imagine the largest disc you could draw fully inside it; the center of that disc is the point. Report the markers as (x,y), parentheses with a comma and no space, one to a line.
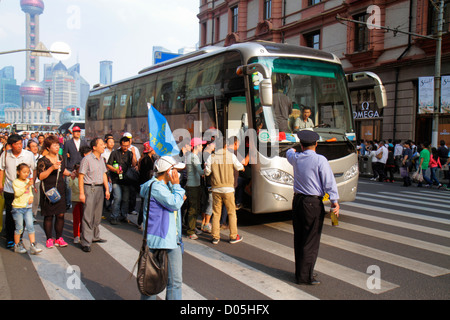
(445,183)
(365,171)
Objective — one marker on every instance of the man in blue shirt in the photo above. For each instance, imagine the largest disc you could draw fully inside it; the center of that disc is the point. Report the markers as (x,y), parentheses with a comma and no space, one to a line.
(313,178)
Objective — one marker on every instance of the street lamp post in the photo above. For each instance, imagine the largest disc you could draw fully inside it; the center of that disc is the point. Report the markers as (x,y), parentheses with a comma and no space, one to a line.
(36,51)
(48,108)
(437,77)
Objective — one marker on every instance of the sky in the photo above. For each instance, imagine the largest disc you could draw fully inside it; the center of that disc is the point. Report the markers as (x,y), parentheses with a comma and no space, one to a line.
(122,31)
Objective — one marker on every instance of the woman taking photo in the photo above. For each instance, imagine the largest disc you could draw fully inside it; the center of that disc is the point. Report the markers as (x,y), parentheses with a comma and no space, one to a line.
(51,171)
(164,222)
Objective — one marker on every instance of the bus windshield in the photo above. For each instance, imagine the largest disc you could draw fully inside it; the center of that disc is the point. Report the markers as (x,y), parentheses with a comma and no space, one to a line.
(306,94)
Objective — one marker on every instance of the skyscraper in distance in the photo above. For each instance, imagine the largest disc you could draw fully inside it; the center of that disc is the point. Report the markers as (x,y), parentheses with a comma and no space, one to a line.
(105,72)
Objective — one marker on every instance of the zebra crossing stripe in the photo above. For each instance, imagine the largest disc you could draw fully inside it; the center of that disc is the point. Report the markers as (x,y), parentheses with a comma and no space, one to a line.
(271,287)
(439,196)
(411,200)
(127,256)
(403,262)
(396,223)
(54,272)
(5,291)
(396,238)
(345,274)
(394,203)
(399,213)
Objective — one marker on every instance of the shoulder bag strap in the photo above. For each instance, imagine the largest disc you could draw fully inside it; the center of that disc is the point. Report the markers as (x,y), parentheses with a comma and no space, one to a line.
(148,209)
(5,152)
(57,177)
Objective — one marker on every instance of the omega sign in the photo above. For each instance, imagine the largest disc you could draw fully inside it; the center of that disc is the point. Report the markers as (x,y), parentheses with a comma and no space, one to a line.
(365,112)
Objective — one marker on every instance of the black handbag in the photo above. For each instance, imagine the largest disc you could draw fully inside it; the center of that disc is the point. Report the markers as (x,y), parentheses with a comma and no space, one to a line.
(52,195)
(131,176)
(152,273)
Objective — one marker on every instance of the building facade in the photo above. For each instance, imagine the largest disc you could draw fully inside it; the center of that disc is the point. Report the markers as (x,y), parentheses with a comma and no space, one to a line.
(62,89)
(9,89)
(400,59)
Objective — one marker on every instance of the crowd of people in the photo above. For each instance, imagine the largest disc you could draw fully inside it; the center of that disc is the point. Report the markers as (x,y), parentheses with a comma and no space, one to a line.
(422,164)
(73,168)
(52,174)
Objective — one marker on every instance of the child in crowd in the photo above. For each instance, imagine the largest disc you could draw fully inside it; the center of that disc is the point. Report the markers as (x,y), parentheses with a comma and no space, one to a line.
(21,209)
(77,205)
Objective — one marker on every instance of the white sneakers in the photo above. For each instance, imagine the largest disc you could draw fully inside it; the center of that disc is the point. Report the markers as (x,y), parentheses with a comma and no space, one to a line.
(19,248)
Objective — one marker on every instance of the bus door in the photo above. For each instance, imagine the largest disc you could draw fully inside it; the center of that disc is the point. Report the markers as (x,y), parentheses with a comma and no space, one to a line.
(202,116)
(237,118)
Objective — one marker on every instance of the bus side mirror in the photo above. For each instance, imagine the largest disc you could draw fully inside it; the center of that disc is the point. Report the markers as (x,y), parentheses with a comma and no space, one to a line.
(265,85)
(380,95)
(265,92)
(379,90)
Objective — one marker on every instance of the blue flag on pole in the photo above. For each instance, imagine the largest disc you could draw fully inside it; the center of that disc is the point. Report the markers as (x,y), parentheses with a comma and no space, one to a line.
(160,136)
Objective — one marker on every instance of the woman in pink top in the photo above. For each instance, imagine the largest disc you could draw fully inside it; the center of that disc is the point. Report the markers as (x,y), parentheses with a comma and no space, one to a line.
(435,164)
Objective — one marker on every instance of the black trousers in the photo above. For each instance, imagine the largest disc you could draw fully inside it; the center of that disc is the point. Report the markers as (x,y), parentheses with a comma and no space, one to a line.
(10,225)
(308,215)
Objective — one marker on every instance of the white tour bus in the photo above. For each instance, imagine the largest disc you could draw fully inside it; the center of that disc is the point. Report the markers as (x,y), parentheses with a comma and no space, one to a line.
(254,90)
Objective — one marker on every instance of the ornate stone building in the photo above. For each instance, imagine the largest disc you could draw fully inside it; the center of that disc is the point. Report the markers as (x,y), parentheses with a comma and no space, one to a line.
(398,58)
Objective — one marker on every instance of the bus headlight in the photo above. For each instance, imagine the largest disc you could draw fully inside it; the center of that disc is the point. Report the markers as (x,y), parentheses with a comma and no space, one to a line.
(352,172)
(278,176)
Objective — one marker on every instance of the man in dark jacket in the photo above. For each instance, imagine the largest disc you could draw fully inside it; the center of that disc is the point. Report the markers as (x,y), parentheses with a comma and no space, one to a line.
(125,159)
(443,156)
(72,156)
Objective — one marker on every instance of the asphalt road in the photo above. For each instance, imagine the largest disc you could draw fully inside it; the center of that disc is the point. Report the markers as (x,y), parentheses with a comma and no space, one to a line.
(392,243)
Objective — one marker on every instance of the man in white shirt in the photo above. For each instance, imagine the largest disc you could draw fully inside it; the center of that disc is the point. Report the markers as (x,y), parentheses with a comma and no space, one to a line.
(9,161)
(382,155)
(305,121)
(109,141)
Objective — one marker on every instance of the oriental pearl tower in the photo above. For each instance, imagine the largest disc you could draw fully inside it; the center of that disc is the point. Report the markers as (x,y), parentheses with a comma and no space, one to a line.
(32,91)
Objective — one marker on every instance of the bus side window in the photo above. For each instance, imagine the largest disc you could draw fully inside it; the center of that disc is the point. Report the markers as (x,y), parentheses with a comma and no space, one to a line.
(149,97)
(134,105)
(123,100)
(92,109)
(108,106)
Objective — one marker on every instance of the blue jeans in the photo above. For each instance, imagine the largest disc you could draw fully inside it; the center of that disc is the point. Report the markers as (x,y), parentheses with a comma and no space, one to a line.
(434,172)
(121,194)
(21,214)
(175,280)
(425,178)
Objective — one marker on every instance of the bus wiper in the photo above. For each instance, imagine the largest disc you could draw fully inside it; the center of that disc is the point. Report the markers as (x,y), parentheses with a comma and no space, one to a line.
(342,133)
(283,150)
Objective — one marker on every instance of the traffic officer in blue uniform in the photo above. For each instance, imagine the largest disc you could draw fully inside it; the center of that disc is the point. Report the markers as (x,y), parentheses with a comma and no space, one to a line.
(313,178)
